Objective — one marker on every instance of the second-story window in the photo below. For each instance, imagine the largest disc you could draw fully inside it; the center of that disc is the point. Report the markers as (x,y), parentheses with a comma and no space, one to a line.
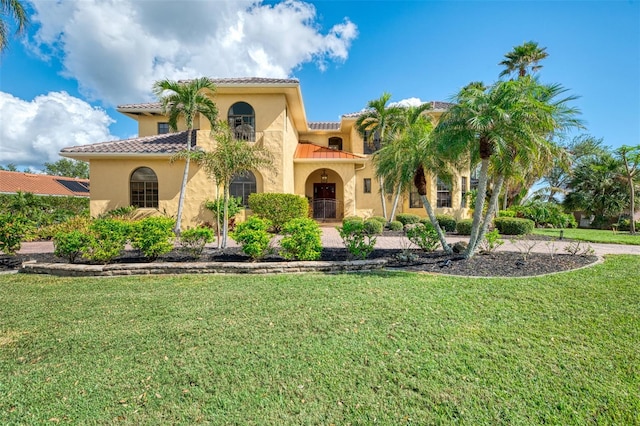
(371,144)
(335,143)
(163,128)
(242,120)
(367,186)
(443,194)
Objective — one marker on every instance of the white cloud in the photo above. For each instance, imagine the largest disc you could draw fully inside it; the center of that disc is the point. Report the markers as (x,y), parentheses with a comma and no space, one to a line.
(408,102)
(33,133)
(116,49)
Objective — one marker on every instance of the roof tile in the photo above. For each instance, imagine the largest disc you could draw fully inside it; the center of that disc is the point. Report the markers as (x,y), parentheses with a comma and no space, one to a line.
(324,125)
(12,182)
(168,143)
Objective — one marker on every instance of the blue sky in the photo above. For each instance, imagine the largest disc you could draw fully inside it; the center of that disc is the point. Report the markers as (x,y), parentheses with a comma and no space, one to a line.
(59,85)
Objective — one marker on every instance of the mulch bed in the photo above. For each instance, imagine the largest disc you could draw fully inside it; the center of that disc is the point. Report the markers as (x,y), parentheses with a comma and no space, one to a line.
(497,264)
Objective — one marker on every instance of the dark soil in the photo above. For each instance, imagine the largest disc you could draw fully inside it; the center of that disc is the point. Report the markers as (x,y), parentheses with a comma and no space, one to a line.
(497,264)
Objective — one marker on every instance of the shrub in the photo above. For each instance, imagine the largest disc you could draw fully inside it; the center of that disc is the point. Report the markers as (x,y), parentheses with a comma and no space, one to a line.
(193,240)
(301,239)
(423,236)
(13,228)
(71,244)
(358,242)
(513,225)
(545,214)
(373,226)
(107,239)
(153,236)
(491,242)
(357,219)
(380,219)
(408,218)
(625,225)
(446,222)
(124,213)
(76,223)
(395,226)
(506,213)
(279,208)
(463,227)
(234,206)
(253,236)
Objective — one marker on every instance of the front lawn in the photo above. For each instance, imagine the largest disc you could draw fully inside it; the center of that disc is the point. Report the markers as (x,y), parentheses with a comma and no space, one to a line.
(389,348)
(592,235)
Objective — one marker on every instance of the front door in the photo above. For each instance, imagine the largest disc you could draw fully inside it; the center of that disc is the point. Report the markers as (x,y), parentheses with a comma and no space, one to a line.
(324,200)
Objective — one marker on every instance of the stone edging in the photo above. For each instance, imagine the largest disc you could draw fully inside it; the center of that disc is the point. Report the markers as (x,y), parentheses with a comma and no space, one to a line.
(160,268)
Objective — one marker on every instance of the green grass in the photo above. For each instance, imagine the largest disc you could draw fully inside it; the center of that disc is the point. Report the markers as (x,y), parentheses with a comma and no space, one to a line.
(592,235)
(388,348)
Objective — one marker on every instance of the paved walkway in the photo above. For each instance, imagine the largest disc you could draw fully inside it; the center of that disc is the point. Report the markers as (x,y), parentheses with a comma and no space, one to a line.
(331,238)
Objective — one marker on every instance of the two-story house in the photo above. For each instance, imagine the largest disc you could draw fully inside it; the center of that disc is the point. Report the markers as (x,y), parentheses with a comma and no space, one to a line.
(328,162)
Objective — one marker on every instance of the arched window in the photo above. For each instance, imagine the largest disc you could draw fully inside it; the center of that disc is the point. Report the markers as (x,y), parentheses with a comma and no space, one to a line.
(242,185)
(242,120)
(144,188)
(335,143)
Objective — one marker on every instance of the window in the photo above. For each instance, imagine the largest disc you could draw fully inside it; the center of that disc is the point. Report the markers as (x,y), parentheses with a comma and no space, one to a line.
(242,186)
(367,186)
(444,194)
(371,146)
(463,192)
(163,128)
(144,188)
(242,120)
(475,172)
(335,143)
(415,202)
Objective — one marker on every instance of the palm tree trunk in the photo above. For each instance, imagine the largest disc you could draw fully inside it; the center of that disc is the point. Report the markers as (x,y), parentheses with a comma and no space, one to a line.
(477,213)
(218,215)
(225,216)
(183,187)
(383,198)
(506,197)
(434,221)
(395,204)
(632,223)
(493,206)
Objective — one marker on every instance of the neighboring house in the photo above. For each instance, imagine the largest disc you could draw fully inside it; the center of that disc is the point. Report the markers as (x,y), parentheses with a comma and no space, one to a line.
(328,162)
(58,186)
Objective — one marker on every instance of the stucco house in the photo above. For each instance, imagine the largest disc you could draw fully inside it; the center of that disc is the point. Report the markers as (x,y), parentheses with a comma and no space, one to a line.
(328,162)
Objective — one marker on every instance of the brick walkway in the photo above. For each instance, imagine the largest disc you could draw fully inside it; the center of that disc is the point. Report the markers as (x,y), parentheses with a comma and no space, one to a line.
(331,238)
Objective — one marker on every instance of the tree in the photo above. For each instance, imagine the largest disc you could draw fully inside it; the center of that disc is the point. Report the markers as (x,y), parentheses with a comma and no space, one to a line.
(68,168)
(630,157)
(229,158)
(378,118)
(186,100)
(14,9)
(522,58)
(598,189)
(505,126)
(405,159)
(10,167)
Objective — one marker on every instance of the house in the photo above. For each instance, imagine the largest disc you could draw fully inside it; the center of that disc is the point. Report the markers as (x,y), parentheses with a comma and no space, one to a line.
(57,186)
(328,162)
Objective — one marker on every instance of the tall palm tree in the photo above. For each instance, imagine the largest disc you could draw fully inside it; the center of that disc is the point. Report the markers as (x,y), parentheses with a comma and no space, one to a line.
(507,126)
(522,58)
(186,100)
(378,118)
(15,9)
(229,158)
(406,158)
(630,158)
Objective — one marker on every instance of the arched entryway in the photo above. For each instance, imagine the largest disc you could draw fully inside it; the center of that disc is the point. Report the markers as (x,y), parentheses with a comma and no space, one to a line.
(325,191)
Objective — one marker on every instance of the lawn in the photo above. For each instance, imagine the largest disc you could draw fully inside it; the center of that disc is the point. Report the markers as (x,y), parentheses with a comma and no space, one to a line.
(592,235)
(387,348)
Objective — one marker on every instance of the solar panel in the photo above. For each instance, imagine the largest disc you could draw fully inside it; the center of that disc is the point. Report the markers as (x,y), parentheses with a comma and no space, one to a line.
(73,186)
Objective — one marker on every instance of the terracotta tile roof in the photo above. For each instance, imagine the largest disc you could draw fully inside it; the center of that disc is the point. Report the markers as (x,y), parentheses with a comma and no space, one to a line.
(324,125)
(12,182)
(168,143)
(435,106)
(317,152)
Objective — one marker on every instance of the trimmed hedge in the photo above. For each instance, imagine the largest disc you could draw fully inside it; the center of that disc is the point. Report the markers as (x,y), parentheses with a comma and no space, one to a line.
(379,219)
(395,226)
(446,222)
(279,208)
(463,227)
(373,226)
(514,225)
(407,218)
(301,240)
(506,213)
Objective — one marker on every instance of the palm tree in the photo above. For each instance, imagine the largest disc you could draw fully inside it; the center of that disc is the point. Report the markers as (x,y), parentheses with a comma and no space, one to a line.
(523,57)
(186,100)
(15,9)
(630,158)
(378,118)
(405,159)
(506,126)
(229,158)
